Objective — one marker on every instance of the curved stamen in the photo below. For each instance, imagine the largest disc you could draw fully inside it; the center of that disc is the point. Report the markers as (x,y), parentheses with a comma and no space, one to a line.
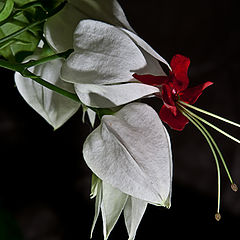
(233,185)
(209,113)
(206,134)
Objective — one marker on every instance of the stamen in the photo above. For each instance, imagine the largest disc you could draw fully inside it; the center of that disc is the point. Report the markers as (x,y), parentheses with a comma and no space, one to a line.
(210,114)
(211,125)
(218,216)
(214,143)
(206,134)
(234,187)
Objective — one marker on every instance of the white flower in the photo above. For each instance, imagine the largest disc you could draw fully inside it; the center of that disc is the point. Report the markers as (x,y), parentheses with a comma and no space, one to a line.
(103,62)
(130,152)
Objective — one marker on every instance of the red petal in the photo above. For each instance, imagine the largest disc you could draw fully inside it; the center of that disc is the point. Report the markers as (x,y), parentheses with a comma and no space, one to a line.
(167,95)
(177,122)
(151,79)
(179,65)
(191,95)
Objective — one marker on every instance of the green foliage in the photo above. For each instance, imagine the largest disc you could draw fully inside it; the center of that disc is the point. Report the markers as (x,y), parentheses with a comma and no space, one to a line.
(21,26)
(6,9)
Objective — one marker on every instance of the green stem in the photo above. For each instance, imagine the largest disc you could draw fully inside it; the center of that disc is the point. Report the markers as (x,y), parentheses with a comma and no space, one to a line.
(202,130)
(51,86)
(26,73)
(210,114)
(15,34)
(32,63)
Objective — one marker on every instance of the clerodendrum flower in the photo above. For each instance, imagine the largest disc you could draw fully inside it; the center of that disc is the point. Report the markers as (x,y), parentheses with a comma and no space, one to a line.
(176,97)
(130,152)
(174,88)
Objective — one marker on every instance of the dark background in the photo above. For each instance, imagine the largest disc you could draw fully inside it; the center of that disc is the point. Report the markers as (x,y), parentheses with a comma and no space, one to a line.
(45,183)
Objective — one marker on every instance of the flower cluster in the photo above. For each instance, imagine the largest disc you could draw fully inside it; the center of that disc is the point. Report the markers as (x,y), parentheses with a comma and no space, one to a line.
(110,70)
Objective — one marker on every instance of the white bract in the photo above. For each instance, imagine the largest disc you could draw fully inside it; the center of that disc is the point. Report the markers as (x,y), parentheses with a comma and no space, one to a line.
(59,28)
(103,62)
(130,152)
(53,107)
(101,67)
(112,202)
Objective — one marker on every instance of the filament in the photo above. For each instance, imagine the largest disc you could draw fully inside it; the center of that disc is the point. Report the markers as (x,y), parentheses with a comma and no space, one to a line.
(206,135)
(210,114)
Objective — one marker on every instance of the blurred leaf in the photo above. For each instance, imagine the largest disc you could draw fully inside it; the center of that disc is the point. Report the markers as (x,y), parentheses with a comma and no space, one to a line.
(9,230)
(25,43)
(6,9)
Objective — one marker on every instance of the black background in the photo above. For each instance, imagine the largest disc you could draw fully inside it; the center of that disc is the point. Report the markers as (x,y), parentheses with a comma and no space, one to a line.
(45,183)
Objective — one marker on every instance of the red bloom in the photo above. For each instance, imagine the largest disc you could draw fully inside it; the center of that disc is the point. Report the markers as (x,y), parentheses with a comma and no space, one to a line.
(174,88)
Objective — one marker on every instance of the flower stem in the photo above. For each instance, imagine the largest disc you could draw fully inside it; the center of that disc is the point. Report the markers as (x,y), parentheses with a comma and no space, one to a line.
(40,61)
(203,130)
(210,114)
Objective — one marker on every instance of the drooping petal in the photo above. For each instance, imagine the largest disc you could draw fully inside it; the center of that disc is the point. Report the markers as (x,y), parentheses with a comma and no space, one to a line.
(151,79)
(176,122)
(59,28)
(103,55)
(107,96)
(179,65)
(113,202)
(141,43)
(131,151)
(54,108)
(190,95)
(133,213)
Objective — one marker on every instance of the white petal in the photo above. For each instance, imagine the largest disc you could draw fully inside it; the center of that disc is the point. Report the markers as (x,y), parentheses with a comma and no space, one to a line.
(133,213)
(103,54)
(113,203)
(112,95)
(140,42)
(55,108)
(131,151)
(59,28)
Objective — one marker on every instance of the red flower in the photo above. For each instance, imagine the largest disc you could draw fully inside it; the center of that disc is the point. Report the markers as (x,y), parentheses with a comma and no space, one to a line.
(174,88)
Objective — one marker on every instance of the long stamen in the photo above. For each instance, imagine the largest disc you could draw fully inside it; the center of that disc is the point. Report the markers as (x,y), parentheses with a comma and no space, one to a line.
(203,130)
(209,113)
(233,185)
(211,125)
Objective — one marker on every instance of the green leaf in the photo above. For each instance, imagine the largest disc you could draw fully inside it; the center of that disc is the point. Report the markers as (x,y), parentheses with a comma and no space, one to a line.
(23,44)
(6,9)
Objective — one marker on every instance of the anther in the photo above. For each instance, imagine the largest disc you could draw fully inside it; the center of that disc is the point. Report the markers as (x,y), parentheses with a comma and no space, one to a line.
(234,187)
(218,216)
